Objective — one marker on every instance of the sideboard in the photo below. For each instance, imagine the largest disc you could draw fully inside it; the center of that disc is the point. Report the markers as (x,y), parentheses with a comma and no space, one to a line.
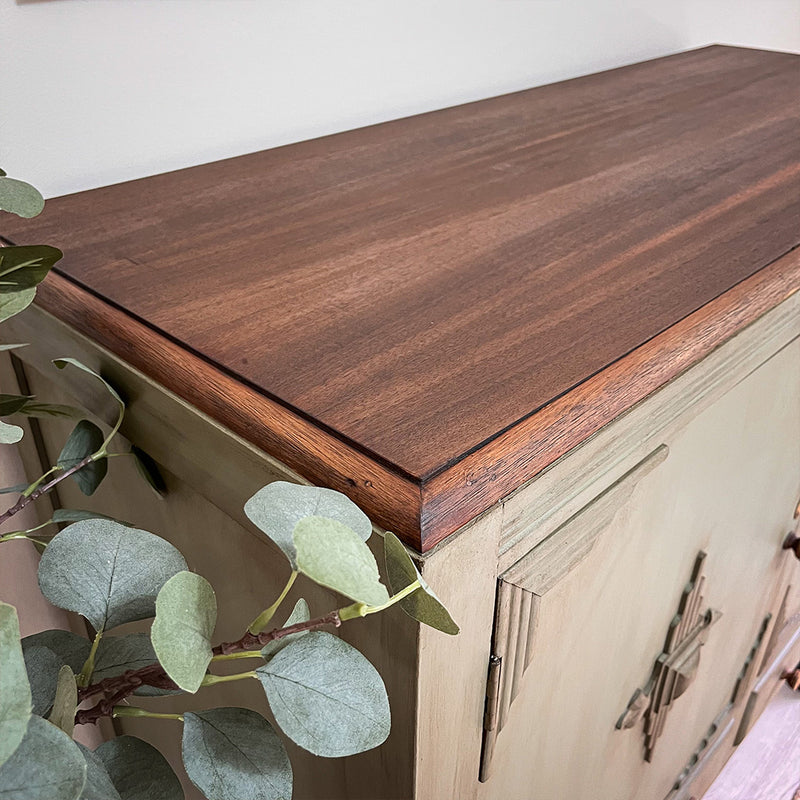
(550,339)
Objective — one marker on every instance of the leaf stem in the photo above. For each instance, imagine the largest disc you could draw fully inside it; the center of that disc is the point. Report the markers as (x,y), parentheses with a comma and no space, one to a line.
(362,609)
(210,680)
(88,666)
(36,483)
(264,618)
(232,656)
(135,711)
(38,490)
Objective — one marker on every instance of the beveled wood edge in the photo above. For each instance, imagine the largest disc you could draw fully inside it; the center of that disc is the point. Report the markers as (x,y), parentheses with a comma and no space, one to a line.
(545,566)
(425,513)
(454,497)
(390,499)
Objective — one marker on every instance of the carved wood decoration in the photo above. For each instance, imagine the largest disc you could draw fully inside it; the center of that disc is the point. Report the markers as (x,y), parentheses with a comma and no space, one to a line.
(719,731)
(676,667)
(521,588)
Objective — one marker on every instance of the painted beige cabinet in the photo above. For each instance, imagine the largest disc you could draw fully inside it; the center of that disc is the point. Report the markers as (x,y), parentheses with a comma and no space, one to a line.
(551,339)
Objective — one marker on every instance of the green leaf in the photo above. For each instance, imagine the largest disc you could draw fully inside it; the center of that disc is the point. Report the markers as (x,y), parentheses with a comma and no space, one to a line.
(42,666)
(47,765)
(51,410)
(279,506)
(20,198)
(11,403)
(69,647)
(66,701)
(15,691)
(138,771)
(4,347)
(333,555)
(326,696)
(85,439)
(98,783)
(235,753)
(61,363)
(118,654)
(10,434)
(25,266)
(186,613)
(77,515)
(45,653)
(148,469)
(18,489)
(109,573)
(12,303)
(300,613)
(422,605)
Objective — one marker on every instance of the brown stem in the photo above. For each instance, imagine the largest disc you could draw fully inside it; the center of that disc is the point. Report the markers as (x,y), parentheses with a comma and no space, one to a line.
(43,489)
(119,687)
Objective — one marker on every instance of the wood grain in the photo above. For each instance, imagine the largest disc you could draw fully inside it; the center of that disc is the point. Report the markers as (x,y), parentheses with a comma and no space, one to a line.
(766,765)
(425,298)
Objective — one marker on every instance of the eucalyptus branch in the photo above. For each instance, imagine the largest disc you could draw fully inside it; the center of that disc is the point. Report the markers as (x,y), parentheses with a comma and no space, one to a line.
(255,641)
(116,689)
(45,488)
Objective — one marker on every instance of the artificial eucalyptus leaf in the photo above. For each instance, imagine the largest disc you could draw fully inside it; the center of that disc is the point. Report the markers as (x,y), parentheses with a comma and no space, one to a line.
(98,783)
(333,555)
(66,701)
(118,654)
(70,648)
(279,506)
(138,771)
(10,434)
(23,267)
(42,666)
(11,403)
(12,303)
(85,439)
(57,410)
(148,469)
(326,696)
(235,753)
(20,198)
(422,605)
(186,613)
(300,613)
(4,347)
(47,765)
(3,173)
(77,515)
(18,489)
(61,363)
(15,691)
(106,571)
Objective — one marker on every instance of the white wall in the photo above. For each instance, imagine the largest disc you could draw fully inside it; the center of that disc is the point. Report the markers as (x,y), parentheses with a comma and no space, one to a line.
(98,91)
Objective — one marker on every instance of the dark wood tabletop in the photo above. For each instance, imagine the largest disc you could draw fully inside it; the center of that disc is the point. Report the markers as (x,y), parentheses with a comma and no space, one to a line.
(452,300)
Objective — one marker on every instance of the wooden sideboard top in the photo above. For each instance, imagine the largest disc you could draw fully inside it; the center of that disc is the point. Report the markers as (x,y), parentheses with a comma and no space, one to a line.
(427,312)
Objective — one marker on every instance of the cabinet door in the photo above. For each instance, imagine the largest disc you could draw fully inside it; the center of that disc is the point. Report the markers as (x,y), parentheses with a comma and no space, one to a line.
(625,636)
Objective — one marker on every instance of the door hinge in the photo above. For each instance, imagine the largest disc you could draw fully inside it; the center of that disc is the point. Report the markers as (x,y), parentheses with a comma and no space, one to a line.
(492,693)
(490,715)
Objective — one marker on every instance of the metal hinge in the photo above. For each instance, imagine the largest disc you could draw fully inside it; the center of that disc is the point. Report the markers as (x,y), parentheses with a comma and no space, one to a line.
(490,715)
(492,693)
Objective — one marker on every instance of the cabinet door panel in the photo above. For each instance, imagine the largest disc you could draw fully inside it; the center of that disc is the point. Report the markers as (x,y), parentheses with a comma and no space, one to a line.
(727,489)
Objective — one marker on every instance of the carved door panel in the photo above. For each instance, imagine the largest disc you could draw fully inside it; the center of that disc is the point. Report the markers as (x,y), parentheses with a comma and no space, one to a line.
(624,641)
